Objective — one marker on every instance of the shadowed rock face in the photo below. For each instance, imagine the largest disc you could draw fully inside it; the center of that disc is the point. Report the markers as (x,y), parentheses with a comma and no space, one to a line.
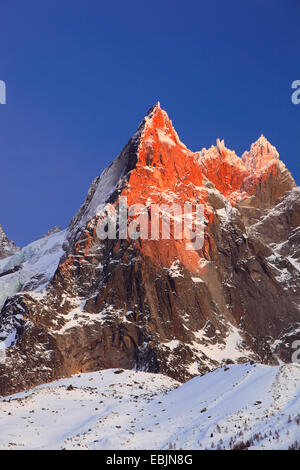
(7,247)
(153,304)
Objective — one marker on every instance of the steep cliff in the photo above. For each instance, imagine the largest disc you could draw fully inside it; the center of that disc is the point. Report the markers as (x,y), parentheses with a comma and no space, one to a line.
(153,304)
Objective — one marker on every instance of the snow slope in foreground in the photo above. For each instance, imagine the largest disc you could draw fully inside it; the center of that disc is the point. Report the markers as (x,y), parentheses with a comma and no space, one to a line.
(138,410)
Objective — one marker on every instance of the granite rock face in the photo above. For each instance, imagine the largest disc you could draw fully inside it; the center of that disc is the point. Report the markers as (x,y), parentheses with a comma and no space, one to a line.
(153,304)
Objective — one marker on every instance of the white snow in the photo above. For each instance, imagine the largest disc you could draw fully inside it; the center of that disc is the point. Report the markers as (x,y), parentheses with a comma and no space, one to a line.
(174,269)
(106,185)
(294,262)
(231,349)
(222,212)
(78,317)
(197,280)
(38,263)
(173,344)
(103,187)
(138,410)
(165,138)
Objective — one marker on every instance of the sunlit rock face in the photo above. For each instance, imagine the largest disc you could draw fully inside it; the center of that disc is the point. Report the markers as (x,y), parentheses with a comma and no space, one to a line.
(152,304)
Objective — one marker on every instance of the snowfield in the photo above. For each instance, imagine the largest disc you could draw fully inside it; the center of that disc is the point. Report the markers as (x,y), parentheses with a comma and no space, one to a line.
(115,409)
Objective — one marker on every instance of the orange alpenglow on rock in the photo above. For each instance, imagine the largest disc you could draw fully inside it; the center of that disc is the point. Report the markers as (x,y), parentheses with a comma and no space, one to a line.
(153,304)
(165,164)
(157,168)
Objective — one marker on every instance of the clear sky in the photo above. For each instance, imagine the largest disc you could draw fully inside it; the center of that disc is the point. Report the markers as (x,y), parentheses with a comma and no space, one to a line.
(81,74)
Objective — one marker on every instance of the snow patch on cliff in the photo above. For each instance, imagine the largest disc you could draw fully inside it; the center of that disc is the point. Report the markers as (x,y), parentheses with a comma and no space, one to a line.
(231,348)
(32,267)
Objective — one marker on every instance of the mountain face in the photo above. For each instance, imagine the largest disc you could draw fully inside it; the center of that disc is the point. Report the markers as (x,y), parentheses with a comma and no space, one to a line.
(153,304)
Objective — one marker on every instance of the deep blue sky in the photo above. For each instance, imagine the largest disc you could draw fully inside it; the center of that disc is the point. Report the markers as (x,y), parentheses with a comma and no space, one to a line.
(81,74)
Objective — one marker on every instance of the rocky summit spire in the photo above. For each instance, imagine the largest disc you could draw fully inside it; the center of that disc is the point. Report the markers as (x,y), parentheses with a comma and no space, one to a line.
(269,179)
(7,247)
(260,155)
(155,157)
(2,234)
